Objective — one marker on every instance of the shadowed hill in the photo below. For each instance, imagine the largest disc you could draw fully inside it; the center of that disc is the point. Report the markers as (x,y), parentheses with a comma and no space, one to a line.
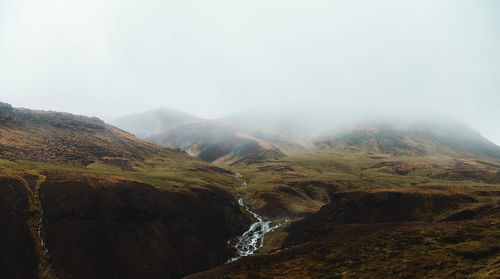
(109,227)
(382,206)
(123,229)
(223,144)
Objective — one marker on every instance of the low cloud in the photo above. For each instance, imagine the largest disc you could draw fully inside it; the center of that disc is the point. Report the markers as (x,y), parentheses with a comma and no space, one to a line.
(335,60)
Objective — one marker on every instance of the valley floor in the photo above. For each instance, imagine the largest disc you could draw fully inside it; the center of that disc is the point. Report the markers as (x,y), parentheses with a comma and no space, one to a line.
(381,217)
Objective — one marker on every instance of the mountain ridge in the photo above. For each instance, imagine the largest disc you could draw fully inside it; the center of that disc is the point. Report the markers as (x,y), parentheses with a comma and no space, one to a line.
(418,139)
(66,138)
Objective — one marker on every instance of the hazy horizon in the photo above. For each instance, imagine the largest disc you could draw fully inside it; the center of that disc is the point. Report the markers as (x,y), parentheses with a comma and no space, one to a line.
(338,60)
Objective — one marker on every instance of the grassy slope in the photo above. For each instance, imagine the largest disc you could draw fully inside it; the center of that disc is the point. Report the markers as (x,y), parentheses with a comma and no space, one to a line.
(175,174)
(301,184)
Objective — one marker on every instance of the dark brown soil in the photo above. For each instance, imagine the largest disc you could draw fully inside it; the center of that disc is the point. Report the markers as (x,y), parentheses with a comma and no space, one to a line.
(398,205)
(100,229)
(107,228)
(386,245)
(18,258)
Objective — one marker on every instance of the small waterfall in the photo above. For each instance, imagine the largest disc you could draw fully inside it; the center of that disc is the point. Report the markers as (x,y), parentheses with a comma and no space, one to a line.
(253,238)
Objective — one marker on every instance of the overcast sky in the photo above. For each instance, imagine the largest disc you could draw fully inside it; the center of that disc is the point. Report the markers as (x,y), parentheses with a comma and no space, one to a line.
(212,58)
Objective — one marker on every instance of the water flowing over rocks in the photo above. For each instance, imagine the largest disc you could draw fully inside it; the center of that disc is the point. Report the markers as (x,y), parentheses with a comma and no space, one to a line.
(253,238)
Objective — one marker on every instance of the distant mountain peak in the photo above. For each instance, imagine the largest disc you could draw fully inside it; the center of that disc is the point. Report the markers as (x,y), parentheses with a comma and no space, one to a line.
(154,121)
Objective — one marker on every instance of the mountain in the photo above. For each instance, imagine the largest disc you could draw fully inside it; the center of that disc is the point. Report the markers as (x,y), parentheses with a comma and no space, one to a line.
(420,139)
(156,121)
(218,143)
(72,139)
(251,135)
(82,199)
(215,141)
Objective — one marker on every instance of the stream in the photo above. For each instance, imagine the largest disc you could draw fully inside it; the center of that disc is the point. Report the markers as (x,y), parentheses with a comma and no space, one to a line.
(253,238)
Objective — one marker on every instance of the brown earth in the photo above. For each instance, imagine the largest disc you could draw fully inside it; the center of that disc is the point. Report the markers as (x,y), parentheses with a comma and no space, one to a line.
(18,258)
(382,206)
(381,234)
(466,249)
(102,227)
(474,170)
(402,167)
(385,243)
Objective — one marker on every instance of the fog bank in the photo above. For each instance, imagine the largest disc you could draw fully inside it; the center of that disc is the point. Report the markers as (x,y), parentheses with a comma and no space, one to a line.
(334,60)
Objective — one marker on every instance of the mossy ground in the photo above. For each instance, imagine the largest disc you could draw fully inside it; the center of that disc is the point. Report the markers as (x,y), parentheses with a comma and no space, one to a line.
(303,183)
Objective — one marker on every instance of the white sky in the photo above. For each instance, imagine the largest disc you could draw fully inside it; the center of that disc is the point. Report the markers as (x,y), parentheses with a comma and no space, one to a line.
(212,58)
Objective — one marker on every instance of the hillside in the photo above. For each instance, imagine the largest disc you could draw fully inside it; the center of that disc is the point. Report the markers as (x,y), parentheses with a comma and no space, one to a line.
(71,139)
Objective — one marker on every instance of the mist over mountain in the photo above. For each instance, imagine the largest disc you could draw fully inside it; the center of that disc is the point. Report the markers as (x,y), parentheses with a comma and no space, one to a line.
(266,134)
(418,138)
(155,121)
(225,144)
(212,60)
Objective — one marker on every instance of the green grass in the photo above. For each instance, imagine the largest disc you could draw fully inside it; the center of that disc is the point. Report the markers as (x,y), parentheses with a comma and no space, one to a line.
(170,175)
(337,172)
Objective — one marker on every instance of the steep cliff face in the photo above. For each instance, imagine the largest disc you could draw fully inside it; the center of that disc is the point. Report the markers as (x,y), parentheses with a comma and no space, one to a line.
(97,227)
(18,257)
(101,229)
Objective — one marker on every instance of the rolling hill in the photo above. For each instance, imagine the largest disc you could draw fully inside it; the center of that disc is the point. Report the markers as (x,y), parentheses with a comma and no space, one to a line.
(72,139)
(82,199)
